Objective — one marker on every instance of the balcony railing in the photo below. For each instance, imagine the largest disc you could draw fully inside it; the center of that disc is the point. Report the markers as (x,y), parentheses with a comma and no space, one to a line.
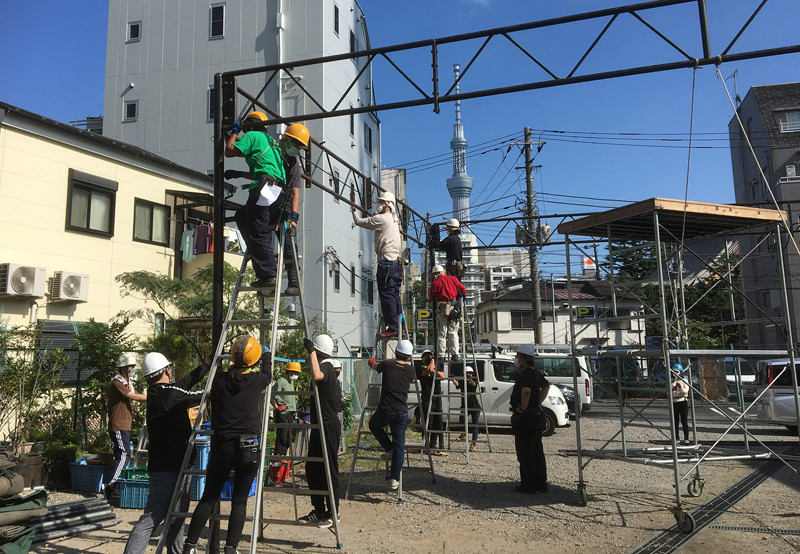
(789,126)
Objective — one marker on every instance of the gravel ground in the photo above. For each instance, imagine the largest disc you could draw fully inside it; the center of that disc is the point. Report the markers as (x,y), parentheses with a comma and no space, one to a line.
(473,507)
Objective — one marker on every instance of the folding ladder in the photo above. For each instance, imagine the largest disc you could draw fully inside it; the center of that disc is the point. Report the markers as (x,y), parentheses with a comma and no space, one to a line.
(257,518)
(462,393)
(370,406)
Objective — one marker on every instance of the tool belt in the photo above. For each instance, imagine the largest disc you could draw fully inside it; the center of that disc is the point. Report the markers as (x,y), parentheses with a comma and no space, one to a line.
(444,307)
(248,450)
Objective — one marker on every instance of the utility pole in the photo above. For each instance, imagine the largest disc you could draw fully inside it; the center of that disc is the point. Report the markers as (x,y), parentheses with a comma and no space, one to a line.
(533,247)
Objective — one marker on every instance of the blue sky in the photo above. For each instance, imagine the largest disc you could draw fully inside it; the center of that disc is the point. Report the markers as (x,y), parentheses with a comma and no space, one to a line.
(54,60)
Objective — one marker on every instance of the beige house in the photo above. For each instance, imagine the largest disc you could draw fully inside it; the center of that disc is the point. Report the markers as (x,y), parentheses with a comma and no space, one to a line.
(76,210)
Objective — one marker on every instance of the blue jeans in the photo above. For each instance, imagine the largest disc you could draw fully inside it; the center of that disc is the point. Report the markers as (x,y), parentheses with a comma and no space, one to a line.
(475,416)
(397,422)
(162,483)
(389,278)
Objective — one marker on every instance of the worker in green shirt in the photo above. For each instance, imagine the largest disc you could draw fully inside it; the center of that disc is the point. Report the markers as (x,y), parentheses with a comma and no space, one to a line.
(285,406)
(262,155)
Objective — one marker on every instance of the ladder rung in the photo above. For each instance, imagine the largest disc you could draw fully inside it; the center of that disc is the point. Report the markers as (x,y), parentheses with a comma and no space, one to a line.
(194,471)
(266,521)
(249,321)
(202,432)
(294,425)
(296,490)
(257,289)
(188,515)
(294,458)
(290,327)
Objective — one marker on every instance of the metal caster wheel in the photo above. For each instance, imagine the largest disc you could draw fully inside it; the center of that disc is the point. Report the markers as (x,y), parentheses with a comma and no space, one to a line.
(695,487)
(583,496)
(684,520)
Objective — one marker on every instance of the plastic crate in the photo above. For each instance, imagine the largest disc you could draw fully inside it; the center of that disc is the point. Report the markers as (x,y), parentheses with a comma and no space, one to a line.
(133,492)
(203,448)
(227,490)
(198,486)
(88,478)
(138,472)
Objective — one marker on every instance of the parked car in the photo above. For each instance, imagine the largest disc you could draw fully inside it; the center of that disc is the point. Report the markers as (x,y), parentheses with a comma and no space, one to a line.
(777,404)
(569,396)
(496,383)
(557,368)
(748,379)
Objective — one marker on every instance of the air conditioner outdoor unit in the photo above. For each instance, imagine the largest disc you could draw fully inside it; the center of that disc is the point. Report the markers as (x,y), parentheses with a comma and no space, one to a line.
(22,280)
(69,287)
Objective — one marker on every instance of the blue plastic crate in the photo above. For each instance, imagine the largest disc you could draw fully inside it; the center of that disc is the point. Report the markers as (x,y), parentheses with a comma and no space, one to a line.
(203,448)
(133,493)
(198,486)
(88,478)
(227,490)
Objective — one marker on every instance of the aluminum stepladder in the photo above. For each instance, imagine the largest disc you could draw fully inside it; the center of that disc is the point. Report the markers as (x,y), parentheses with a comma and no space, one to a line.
(140,457)
(450,393)
(370,405)
(228,324)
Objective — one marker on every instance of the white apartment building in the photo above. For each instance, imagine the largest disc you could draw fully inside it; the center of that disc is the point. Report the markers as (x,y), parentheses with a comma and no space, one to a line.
(161,60)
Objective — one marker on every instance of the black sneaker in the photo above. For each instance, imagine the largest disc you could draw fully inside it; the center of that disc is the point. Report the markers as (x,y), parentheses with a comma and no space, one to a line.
(292,290)
(189,548)
(313,518)
(328,521)
(264,283)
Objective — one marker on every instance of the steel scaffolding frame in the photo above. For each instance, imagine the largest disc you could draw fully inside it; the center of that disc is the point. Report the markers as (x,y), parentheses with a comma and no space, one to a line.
(672,222)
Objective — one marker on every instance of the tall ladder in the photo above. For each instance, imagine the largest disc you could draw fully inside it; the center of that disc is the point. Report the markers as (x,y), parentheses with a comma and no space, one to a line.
(369,407)
(453,410)
(186,473)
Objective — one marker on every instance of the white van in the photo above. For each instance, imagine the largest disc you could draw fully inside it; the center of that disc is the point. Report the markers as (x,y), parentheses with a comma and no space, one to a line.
(496,384)
(555,363)
(777,404)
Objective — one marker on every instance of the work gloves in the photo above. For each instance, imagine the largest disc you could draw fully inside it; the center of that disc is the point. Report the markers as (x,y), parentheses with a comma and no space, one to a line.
(291,227)
(232,174)
(309,344)
(236,127)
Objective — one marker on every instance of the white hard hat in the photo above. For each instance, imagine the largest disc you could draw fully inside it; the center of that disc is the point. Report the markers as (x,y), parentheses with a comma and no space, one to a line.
(526,349)
(427,351)
(324,344)
(468,370)
(336,364)
(438,269)
(405,347)
(126,360)
(387,197)
(153,363)
(452,222)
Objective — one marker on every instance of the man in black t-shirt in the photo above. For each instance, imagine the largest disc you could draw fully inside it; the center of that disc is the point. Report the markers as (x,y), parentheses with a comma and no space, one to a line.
(397,375)
(330,398)
(527,422)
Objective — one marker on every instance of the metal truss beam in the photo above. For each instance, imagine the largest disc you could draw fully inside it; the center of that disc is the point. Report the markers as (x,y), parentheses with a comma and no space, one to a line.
(430,49)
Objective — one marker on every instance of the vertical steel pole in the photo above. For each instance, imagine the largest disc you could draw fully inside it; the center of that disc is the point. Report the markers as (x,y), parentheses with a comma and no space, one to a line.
(581,484)
(665,349)
(217,314)
(701,6)
(788,322)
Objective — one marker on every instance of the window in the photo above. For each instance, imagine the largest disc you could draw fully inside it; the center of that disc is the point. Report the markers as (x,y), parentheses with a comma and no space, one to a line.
(216,21)
(159,323)
(131,112)
(503,370)
(788,122)
(335,184)
(336,19)
(367,138)
(521,319)
(150,222)
(366,285)
(354,47)
(134,31)
(211,103)
(352,123)
(554,367)
(337,276)
(352,280)
(90,203)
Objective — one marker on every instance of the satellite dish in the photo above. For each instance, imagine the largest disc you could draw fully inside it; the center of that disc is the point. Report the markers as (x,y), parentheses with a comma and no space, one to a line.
(71,287)
(22,280)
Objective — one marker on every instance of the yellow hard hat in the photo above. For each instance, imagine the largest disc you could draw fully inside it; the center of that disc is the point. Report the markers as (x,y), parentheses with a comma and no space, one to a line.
(258,116)
(245,352)
(294,366)
(298,132)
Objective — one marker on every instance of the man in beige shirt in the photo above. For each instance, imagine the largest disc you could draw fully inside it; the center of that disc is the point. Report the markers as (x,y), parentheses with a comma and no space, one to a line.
(390,269)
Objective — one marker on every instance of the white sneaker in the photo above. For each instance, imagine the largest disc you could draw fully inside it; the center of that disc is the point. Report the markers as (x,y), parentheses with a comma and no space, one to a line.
(393,484)
(387,455)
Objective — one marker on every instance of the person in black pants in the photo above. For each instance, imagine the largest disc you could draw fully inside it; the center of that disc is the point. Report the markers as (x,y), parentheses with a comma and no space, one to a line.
(527,422)
(473,406)
(236,422)
(324,375)
(680,404)
(426,379)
